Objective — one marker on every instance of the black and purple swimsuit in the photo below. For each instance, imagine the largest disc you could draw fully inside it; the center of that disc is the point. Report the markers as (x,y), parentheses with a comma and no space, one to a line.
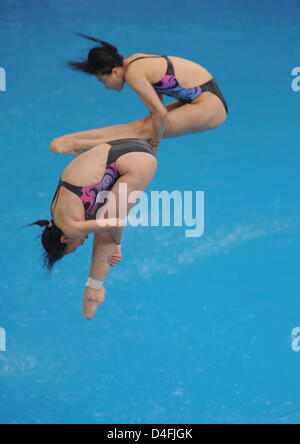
(169,85)
(88,194)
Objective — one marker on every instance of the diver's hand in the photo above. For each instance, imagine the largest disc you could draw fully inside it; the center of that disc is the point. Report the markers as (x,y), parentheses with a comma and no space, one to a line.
(92,300)
(116,257)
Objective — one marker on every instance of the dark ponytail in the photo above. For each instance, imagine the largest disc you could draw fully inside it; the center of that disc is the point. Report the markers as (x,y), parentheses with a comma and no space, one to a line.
(54,248)
(101,59)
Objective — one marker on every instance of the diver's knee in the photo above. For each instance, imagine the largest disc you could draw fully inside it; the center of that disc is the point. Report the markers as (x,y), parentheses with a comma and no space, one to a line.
(215,123)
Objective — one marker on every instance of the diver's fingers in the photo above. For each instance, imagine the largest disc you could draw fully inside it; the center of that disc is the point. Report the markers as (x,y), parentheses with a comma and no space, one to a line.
(115,259)
(113,263)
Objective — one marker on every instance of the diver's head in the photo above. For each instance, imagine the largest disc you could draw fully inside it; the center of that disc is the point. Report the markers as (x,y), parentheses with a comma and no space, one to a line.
(105,63)
(56,244)
(114,81)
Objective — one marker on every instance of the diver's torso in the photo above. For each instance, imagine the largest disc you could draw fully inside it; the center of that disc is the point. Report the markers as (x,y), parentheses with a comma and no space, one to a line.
(188,74)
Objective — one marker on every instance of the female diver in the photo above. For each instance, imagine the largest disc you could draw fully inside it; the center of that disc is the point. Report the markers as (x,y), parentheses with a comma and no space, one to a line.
(75,207)
(199,104)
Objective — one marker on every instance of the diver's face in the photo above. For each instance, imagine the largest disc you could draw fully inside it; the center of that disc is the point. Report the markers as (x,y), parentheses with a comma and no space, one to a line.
(114,81)
(72,244)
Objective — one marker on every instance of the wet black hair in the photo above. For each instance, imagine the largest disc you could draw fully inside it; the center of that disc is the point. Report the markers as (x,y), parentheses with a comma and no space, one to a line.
(101,59)
(54,248)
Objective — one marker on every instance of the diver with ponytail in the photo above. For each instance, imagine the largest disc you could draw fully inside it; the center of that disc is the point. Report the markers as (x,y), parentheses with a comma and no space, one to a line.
(51,240)
(199,106)
(101,59)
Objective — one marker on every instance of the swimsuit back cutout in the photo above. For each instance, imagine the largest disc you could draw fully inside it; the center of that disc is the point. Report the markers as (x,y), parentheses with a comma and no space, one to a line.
(169,85)
(89,194)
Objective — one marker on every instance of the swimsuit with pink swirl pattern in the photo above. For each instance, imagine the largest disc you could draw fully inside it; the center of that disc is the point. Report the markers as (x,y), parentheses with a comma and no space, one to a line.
(169,85)
(89,194)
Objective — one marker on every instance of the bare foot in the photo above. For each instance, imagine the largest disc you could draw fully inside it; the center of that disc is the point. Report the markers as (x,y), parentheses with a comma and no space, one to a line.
(67,145)
(92,300)
(61,145)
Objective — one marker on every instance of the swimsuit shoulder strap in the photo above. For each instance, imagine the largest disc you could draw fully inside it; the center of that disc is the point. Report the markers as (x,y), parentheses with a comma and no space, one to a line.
(170,70)
(75,189)
(56,192)
(140,58)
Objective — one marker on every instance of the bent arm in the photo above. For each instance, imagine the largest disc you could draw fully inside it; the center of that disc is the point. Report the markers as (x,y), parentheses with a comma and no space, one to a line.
(82,228)
(141,85)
